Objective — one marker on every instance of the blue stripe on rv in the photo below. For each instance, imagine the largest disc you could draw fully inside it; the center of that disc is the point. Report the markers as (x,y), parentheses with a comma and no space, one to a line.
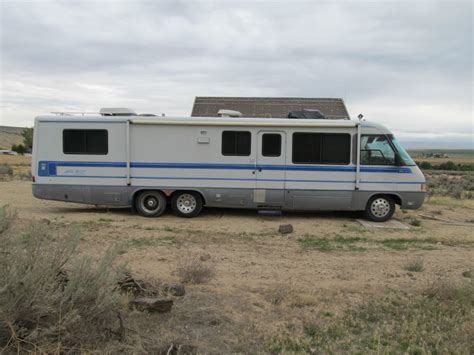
(49,168)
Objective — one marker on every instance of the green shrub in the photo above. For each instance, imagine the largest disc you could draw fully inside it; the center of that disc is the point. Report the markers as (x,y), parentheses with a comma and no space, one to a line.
(194,271)
(6,170)
(457,185)
(414,265)
(50,298)
(415,222)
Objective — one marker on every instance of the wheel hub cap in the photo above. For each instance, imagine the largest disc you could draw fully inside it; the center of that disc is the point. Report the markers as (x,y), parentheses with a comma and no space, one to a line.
(150,203)
(186,203)
(380,207)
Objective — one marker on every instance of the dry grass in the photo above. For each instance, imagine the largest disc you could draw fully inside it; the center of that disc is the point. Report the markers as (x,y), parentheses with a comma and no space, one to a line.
(277,294)
(416,265)
(458,185)
(435,321)
(19,164)
(10,136)
(49,298)
(195,271)
(273,293)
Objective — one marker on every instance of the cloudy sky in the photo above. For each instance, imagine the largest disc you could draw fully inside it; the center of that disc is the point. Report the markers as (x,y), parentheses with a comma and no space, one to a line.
(408,65)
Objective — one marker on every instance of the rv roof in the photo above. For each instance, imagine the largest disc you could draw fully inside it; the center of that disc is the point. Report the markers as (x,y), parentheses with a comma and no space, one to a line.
(212,121)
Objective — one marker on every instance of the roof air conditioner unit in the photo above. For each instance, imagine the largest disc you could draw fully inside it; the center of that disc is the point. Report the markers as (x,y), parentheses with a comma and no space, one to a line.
(116,111)
(229,113)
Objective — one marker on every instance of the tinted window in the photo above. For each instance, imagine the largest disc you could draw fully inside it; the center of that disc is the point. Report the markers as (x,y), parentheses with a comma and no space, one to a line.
(306,148)
(376,150)
(85,141)
(321,148)
(236,143)
(271,145)
(335,148)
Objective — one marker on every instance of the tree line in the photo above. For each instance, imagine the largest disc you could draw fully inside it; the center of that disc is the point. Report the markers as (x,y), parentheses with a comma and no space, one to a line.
(449,165)
(27,145)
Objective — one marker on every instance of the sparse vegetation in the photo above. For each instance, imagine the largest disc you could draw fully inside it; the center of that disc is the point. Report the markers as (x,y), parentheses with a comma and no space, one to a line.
(359,244)
(326,244)
(414,265)
(51,299)
(439,320)
(6,171)
(14,167)
(195,271)
(335,303)
(277,294)
(142,242)
(415,222)
(7,217)
(459,186)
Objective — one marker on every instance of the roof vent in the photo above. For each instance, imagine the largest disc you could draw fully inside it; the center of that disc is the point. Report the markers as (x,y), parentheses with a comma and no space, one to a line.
(307,114)
(229,113)
(116,111)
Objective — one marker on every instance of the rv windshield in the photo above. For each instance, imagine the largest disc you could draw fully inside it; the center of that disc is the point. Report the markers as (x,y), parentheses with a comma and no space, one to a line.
(406,159)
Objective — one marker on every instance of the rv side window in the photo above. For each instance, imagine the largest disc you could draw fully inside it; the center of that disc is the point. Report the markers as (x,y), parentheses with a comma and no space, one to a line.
(236,143)
(271,145)
(321,148)
(376,150)
(336,148)
(85,141)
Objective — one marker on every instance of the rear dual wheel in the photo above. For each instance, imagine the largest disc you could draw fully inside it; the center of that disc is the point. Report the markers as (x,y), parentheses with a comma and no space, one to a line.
(151,203)
(186,204)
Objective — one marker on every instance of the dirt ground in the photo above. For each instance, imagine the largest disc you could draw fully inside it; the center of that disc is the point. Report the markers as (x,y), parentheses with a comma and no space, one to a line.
(330,262)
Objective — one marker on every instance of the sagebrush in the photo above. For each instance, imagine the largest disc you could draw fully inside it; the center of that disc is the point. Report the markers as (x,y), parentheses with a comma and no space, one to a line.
(194,271)
(49,297)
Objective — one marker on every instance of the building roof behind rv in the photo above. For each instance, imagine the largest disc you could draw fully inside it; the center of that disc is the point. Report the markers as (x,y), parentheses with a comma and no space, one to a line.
(269,107)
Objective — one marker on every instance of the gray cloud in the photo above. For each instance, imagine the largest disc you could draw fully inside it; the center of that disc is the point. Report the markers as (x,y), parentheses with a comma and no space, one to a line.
(404,64)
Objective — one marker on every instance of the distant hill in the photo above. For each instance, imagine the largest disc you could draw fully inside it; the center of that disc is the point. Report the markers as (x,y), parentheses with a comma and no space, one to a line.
(10,136)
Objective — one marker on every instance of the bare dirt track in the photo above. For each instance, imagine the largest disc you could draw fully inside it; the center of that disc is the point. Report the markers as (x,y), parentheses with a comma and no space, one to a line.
(328,264)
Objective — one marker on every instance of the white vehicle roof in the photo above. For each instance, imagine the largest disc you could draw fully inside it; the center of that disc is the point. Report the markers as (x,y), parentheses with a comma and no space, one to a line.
(216,121)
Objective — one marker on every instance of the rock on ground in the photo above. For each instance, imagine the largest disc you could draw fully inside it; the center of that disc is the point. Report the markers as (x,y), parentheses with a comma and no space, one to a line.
(152,304)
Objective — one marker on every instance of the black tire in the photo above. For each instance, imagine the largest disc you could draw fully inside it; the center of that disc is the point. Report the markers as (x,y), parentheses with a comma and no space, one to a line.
(150,203)
(186,204)
(380,208)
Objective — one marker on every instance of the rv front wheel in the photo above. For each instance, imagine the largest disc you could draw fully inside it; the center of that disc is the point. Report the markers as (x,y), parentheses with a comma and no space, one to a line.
(380,208)
(186,204)
(150,203)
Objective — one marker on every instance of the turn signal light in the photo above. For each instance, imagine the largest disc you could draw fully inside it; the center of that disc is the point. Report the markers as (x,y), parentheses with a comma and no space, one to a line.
(33,179)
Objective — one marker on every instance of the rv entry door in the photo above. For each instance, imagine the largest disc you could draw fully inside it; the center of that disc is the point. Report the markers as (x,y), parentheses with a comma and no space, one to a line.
(270,169)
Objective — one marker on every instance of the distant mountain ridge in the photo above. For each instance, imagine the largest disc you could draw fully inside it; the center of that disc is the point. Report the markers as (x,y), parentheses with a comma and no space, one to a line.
(10,136)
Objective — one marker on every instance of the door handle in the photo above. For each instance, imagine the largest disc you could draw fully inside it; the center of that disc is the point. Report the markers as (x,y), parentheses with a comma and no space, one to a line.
(259,170)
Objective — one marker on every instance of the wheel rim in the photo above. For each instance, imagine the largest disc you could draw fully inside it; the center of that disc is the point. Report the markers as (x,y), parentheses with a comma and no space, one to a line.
(150,204)
(186,203)
(380,207)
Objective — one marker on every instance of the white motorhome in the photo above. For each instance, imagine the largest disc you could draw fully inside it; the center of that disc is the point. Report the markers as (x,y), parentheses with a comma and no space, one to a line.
(233,162)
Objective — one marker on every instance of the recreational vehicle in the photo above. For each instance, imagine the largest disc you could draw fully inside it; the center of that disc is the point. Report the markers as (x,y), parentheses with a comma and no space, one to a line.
(185,163)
